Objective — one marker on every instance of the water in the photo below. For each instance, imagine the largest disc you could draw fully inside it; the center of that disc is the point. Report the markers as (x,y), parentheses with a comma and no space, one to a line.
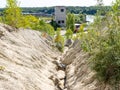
(90,18)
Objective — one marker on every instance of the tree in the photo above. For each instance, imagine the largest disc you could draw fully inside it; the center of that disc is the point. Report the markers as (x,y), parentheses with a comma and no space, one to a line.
(103,44)
(54,24)
(45,28)
(59,40)
(12,14)
(29,21)
(81,18)
(0,19)
(69,34)
(70,21)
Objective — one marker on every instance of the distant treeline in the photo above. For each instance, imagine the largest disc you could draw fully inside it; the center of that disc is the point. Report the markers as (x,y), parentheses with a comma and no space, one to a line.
(88,10)
(76,10)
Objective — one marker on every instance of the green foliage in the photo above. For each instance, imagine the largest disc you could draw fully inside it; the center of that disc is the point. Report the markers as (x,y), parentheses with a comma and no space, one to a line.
(54,24)
(29,21)
(81,18)
(81,29)
(76,10)
(13,17)
(48,10)
(50,30)
(12,14)
(92,10)
(0,19)
(59,40)
(103,43)
(70,21)
(44,27)
(69,34)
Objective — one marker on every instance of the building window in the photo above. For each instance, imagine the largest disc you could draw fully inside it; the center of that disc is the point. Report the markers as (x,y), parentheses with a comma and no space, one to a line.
(62,21)
(58,22)
(62,10)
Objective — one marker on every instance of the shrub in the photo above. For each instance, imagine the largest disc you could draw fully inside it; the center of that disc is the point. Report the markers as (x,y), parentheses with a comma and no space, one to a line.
(59,40)
(45,28)
(69,34)
(70,21)
(12,14)
(29,21)
(103,43)
(54,24)
(81,18)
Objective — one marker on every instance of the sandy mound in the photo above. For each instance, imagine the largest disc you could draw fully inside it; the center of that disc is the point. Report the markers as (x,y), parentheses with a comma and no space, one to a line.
(78,73)
(26,60)
(30,62)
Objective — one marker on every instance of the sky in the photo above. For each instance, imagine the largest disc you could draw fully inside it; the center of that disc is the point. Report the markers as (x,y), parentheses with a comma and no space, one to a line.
(47,3)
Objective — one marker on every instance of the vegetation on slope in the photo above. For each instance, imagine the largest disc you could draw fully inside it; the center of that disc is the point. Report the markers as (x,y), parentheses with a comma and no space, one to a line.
(13,17)
(102,41)
(70,21)
(59,40)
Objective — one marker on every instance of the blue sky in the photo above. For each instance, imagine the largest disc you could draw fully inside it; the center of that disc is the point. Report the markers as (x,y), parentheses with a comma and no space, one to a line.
(47,3)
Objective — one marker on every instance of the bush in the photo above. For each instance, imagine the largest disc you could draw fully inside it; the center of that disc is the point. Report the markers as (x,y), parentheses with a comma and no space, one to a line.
(69,34)
(12,14)
(29,21)
(0,19)
(45,28)
(103,43)
(59,40)
(13,17)
(54,24)
(81,18)
(70,21)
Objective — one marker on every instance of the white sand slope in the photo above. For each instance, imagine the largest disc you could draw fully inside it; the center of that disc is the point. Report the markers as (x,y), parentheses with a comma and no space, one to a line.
(26,60)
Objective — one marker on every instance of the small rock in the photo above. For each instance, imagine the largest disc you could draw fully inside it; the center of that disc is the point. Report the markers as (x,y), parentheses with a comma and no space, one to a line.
(68,42)
(61,74)
(61,84)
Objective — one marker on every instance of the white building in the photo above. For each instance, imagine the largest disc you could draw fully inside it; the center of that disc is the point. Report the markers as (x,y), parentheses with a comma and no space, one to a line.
(60,15)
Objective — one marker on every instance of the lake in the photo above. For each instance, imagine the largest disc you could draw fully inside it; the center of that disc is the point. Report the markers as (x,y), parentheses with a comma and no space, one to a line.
(90,18)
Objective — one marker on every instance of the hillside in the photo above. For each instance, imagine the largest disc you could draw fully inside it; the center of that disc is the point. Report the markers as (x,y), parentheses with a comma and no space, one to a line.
(79,75)
(26,60)
(29,61)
